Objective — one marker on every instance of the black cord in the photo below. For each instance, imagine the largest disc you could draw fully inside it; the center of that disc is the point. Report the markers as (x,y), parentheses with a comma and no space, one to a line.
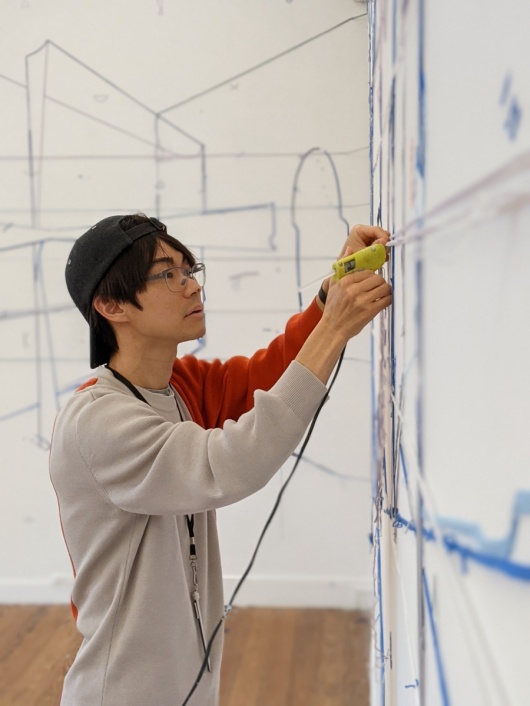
(228,608)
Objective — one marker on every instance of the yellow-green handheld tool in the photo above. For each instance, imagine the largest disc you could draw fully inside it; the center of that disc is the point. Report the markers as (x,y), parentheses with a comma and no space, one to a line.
(371,258)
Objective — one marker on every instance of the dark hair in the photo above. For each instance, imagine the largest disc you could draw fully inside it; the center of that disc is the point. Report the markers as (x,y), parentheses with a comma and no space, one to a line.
(126,277)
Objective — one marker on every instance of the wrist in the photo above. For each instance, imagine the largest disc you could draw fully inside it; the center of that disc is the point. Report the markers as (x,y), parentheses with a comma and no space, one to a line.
(322,349)
(323,293)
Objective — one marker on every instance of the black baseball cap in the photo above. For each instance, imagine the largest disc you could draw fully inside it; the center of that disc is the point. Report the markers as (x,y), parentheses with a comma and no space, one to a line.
(90,259)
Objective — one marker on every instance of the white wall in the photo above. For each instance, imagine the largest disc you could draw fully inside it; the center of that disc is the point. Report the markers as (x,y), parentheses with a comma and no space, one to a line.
(244,126)
(451,177)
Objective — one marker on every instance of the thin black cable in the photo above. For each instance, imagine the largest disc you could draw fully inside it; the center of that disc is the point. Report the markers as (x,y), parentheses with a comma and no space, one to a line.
(228,607)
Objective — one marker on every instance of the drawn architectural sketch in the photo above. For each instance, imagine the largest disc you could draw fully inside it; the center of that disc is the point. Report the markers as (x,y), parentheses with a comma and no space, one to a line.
(261,173)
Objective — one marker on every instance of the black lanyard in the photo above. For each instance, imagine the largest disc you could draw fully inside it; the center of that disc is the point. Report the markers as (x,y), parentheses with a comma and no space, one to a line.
(128,384)
(190,521)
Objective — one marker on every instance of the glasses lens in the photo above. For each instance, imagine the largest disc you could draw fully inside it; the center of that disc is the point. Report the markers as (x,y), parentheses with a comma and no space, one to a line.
(199,273)
(177,277)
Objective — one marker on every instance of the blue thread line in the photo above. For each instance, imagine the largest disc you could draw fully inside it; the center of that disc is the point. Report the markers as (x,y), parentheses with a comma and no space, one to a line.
(404,465)
(375,417)
(436,644)
(452,545)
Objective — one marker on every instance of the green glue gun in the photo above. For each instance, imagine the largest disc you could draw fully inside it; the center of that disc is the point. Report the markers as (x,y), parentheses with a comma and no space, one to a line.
(371,258)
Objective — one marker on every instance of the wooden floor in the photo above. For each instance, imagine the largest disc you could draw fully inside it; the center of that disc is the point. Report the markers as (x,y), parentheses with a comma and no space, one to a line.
(273,657)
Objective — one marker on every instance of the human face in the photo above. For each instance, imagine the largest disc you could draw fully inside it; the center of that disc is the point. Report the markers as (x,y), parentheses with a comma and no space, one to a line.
(167,318)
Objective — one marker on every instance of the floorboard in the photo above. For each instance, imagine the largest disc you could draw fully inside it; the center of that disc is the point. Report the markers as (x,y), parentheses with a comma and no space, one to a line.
(272,657)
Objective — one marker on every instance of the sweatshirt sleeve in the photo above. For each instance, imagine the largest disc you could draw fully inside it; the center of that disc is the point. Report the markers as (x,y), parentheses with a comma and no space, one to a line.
(215,392)
(145,464)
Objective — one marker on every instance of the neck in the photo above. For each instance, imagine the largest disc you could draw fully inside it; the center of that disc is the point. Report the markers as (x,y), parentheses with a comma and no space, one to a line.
(151,371)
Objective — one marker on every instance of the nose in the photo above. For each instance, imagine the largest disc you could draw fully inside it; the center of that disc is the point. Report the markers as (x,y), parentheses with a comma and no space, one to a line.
(192,286)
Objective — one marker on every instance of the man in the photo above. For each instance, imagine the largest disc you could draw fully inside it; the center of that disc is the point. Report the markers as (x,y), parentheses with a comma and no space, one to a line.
(145,451)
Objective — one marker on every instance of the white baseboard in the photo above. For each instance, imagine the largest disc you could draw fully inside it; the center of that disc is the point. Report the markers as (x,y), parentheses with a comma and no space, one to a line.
(48,590)
(271,591)
(302,592)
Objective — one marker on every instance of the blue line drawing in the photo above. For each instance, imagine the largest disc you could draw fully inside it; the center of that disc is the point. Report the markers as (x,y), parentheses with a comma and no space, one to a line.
(494,554)
(436,643)
(510,102)
(82,127)
(501,548)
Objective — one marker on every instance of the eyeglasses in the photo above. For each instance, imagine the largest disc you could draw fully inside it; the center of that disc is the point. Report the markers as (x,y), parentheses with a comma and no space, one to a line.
(177,277)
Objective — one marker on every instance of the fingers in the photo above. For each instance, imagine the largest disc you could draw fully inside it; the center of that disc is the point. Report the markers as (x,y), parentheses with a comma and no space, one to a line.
(361,236)
(371,234)
(365,281)
(360,289)
(366,289)
(355,300)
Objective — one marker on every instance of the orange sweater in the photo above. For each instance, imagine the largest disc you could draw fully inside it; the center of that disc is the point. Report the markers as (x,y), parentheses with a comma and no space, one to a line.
(215,391)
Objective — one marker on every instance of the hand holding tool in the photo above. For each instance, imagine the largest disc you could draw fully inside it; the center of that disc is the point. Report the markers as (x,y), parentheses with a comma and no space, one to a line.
(370,258)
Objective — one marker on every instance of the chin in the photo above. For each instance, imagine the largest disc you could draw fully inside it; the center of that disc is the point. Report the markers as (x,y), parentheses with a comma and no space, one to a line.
(194,335)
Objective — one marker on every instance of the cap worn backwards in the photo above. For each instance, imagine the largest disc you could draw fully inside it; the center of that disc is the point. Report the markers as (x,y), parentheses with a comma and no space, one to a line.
(90,259)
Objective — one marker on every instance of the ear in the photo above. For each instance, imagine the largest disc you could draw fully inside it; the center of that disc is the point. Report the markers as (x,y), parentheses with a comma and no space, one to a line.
(111,310)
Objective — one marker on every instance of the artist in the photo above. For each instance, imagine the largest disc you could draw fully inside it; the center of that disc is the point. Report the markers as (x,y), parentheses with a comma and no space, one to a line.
(145,451)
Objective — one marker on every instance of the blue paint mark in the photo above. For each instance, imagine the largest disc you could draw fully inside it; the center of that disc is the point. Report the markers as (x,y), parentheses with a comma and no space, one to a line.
(436,644)
(514,110)
(513,119)
(504,566)
(500,563)
(501,548)
(415,685)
